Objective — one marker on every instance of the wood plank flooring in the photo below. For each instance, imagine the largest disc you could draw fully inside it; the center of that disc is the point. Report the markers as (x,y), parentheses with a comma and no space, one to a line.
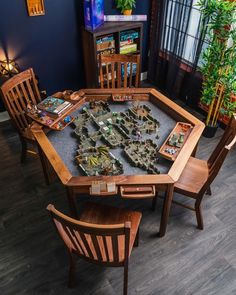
(186,261)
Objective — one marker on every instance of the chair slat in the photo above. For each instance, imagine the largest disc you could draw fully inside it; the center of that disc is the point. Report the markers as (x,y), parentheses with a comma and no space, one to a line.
(97,247)
(22,101)
(23,88)
(37,96)
(113,75)
(125,74)
(15,102)
(127,242)
(118,75)
(30,90)
(137,77)
(12,111)
(131,75)
(107,75)
(21,106)
(101,75)
(18,110)
(86,245)
(115,248)
(80,243)
(106,248)
(70,236)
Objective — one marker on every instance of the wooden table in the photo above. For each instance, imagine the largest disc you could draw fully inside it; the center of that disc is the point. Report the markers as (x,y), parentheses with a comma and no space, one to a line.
(79,184)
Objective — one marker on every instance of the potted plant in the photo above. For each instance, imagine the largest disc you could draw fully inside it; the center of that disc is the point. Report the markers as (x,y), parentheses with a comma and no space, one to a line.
(126,6)
(219,60)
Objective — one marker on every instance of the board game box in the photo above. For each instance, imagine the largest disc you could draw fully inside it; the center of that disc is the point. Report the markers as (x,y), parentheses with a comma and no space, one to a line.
(54,106)
(93,14)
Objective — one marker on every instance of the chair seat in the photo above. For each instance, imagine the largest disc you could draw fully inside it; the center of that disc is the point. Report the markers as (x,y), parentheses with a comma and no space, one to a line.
(107,215)
(193,177)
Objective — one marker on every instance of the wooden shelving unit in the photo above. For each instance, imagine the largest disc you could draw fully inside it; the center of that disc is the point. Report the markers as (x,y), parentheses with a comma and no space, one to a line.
(90,46)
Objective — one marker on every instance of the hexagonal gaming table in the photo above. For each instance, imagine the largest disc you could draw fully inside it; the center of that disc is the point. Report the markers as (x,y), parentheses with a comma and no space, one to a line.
(58,149)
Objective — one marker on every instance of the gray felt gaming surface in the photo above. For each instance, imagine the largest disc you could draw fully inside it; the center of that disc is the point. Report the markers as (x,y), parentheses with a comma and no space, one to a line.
(66,143)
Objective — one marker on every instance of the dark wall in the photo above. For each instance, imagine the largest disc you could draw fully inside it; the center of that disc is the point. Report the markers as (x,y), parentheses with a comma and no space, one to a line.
(52,44)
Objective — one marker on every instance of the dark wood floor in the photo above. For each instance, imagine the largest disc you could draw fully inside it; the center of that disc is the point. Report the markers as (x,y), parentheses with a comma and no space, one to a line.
(186,261)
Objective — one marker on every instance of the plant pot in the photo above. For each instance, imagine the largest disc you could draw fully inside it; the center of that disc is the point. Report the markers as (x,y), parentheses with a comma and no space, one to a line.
(127,11)
(210,131)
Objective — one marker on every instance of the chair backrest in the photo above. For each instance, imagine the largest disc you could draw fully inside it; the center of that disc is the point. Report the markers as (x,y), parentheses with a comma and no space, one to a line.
(100,244)
(119,70)
(218,156)
(17,92)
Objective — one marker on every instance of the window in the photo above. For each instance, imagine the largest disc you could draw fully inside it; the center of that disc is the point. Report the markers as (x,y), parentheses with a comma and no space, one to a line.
(182,29)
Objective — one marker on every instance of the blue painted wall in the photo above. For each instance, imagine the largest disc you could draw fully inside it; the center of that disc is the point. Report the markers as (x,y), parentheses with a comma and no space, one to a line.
(52,44)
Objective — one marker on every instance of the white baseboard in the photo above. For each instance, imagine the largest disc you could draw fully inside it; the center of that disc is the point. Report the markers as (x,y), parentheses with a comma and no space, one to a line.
(4,116)
(143,76)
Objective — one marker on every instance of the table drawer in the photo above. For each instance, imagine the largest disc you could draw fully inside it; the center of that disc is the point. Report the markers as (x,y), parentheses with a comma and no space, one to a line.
(138,191)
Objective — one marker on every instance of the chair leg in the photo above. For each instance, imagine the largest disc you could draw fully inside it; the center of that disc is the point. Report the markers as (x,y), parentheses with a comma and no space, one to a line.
(126,269)
(72,281)
(154,201)
(45,166)
(199,216)
(136,241)
(72,202)
(23,150)
(208,191)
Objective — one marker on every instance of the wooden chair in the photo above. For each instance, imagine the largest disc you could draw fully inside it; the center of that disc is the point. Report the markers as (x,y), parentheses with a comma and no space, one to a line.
(119,70)
(103,235)
(198,174)
(17,92)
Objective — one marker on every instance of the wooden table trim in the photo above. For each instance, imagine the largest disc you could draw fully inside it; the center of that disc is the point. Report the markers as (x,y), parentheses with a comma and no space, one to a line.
(58,165)
(185,153)
(121,179)
(176,108)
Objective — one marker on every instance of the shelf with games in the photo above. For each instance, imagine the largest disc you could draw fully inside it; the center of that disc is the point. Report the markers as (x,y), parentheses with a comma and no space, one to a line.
(110,38)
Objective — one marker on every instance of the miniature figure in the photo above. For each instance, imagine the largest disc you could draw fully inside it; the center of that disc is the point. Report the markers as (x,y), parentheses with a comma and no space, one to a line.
(41,114)
(170,151)
(49,121)
(32,108)
(67,119)
(184,127)
(137,133)
(173,139)
(92,104)
(181,137)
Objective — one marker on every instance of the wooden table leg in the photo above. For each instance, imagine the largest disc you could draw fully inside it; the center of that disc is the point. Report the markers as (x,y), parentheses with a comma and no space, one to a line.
(166,210)
(208,191)
(72,202)
(195,150)
(45,166)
